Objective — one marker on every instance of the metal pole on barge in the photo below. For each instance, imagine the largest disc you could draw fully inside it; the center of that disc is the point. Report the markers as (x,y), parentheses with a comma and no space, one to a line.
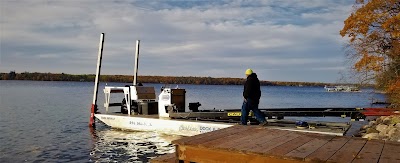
(96,82)
(136,62)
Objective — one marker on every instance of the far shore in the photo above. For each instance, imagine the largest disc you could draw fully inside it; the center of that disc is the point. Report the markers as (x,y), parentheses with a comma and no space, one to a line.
(37,76)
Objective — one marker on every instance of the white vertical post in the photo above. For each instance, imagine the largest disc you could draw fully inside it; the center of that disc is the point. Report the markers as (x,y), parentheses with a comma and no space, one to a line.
(128,103)
(107,95)
(96,81)
(136,63)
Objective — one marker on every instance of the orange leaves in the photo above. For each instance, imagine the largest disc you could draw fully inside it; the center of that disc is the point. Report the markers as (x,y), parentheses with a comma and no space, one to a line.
(392,25)
(395,51)
(374,32)
(374,15)
(394,92)
(370,63)
(394,86)
(355,25)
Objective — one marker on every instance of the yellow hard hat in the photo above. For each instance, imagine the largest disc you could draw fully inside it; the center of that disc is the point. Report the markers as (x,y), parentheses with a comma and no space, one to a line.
(249,71)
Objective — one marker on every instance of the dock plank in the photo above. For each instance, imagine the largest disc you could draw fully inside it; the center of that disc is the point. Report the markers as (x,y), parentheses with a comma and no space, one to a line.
(250,139)
(274,143)
(370,152)
(289,146)
(258,142)
(211,155)
(349,151)
(211,137)
(326,151)
(390,153)
(236,139)
(306,149)
(232,138)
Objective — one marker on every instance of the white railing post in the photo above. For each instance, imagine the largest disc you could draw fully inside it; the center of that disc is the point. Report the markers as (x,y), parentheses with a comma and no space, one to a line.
(93,110)
(136,63)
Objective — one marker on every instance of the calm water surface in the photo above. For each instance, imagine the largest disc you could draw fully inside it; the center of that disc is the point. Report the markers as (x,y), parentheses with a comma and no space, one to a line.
(48,121)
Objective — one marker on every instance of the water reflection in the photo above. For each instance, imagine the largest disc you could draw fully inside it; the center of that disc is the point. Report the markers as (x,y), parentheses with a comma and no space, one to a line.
(114,145)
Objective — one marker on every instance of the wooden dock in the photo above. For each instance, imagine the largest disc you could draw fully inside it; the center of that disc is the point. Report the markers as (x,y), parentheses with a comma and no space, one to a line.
(254,144)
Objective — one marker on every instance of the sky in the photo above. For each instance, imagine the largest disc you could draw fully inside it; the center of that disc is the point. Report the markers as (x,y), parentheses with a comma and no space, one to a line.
(281,40)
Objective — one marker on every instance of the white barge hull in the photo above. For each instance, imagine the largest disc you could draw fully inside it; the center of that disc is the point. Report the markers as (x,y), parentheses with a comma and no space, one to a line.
(168,126)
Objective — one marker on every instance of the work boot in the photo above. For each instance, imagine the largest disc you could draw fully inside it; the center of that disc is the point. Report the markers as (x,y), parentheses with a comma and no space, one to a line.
(265,123)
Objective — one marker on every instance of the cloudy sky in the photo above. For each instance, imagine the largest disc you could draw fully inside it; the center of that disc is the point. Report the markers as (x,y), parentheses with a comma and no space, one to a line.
(281,40)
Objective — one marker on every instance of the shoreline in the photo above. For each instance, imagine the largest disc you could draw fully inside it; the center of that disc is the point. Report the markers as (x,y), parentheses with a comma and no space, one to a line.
(36,76)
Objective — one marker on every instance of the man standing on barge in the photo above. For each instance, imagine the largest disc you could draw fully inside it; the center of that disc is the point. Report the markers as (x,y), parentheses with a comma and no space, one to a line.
(252,94)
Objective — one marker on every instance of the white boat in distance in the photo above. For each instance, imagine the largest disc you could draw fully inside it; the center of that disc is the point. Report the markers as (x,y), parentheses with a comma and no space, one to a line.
(341,88)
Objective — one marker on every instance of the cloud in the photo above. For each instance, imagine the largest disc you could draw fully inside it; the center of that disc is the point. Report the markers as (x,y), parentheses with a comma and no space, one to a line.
(189,38)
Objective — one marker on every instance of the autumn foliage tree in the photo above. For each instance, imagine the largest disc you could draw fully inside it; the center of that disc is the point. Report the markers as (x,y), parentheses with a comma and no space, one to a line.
(373,29)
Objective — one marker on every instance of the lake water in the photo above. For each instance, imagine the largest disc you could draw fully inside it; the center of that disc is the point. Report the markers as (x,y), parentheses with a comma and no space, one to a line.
(48,121)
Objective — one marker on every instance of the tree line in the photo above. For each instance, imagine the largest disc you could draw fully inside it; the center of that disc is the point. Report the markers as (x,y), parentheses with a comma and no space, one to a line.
(145,79)
(373,49)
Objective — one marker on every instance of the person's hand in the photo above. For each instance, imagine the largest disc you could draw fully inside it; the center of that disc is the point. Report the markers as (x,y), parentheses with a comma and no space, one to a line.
(245,100)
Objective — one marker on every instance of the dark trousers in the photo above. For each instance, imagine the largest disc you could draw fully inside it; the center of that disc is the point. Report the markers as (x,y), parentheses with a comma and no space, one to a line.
(251,105)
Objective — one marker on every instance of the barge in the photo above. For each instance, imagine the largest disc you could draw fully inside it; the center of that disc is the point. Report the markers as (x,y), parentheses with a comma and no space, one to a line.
(141,110)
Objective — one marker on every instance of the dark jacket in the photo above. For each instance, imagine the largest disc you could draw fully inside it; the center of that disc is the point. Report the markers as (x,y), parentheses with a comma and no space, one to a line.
(252,88)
